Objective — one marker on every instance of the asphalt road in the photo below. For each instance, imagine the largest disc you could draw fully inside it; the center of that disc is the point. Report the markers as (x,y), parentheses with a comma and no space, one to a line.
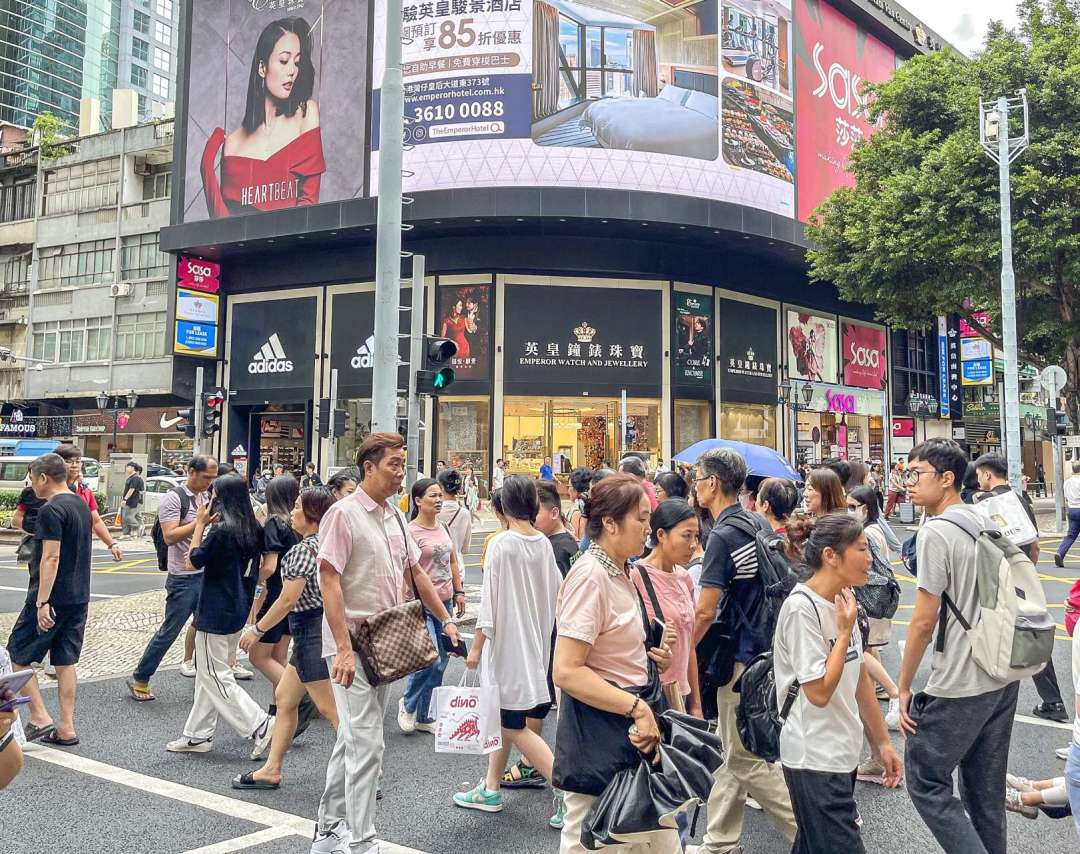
(119,791)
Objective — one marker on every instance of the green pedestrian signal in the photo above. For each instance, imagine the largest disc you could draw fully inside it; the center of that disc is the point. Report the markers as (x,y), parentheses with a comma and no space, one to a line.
(436,375)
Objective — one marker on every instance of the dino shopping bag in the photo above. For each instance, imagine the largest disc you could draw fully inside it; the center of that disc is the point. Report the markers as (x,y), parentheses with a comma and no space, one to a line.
(467,718)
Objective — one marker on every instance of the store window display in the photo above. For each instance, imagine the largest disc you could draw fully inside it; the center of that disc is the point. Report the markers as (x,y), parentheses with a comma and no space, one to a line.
(464,436)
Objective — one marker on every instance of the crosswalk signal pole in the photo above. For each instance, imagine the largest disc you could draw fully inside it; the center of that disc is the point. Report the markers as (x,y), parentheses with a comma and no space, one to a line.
(416,351)
(196,443)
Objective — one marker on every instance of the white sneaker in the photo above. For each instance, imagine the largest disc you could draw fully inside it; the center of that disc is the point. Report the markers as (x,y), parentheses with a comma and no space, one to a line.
(1062,753)
(1021,784)
(189,745)
(241,673)
(187,668)
(425,726)
(892,716)
(262,738)
(336,840)
(406,721)
(49,669)
(752,803)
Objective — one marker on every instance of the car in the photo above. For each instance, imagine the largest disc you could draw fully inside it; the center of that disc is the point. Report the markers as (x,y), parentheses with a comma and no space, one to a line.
(156,487)
(155,470)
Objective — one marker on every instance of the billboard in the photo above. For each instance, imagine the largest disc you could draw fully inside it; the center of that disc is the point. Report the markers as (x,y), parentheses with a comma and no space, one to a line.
(833,57)
(811,347)
(749,366)
(693,340)
(862,349)
(574,93)
(463,314)
(276,112)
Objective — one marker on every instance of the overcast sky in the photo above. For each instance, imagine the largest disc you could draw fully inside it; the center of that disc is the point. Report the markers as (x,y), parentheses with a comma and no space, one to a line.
(962,22)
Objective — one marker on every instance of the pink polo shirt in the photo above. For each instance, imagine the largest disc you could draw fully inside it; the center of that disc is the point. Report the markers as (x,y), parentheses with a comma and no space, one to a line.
(370,547)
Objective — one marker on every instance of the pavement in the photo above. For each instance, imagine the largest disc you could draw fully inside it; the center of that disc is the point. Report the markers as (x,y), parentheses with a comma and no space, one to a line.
(119,791)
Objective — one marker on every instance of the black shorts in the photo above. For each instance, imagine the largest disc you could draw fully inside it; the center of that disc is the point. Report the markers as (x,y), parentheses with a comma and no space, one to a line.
(274,633)
(63,642)
(514,719)
(306,627)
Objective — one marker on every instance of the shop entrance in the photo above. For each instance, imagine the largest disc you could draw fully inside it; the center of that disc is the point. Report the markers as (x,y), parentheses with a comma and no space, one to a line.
(280,435)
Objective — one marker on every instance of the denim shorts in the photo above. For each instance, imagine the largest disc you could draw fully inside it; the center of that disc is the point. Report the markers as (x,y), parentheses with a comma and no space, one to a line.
(63,642)
(306,630)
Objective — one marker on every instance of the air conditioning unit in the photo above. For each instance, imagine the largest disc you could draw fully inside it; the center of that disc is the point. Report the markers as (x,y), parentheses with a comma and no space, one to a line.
(122,289)
(142,166)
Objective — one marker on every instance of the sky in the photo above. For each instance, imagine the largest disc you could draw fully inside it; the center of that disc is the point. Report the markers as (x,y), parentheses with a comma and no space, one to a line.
(962,22)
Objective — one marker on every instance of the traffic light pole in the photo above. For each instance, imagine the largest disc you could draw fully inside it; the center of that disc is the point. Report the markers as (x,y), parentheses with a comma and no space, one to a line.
(333,407)
(196,443)
(416,348)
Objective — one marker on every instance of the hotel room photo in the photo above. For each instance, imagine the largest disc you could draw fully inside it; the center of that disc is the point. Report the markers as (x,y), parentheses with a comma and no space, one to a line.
(637,75)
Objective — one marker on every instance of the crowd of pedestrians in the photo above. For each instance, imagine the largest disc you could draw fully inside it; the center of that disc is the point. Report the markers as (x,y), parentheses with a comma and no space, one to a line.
(626,596)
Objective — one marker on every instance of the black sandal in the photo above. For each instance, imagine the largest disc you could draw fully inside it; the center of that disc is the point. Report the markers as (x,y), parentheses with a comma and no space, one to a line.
(247,781)
(36,733)
(54,738)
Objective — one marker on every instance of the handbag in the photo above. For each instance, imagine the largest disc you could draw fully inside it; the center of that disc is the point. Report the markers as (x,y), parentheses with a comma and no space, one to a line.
(25,550)
(395,642)
(880,596)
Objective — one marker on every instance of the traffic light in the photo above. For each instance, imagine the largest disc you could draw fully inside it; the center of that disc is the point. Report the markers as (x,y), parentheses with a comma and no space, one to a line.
(1058,423)
(332,422)
(324,417)
(189,416)
(436,376)
(341,422)
(213,406)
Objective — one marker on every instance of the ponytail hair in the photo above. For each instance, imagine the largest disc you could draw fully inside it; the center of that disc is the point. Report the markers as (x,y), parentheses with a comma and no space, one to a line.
(807,539)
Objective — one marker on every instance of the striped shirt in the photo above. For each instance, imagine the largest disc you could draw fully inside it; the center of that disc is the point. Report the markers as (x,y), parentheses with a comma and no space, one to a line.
(301,562)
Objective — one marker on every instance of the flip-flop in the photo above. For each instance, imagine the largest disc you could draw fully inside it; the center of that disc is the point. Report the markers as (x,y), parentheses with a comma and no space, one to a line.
(139,695)
(54,738)
(247,781)
(36,733)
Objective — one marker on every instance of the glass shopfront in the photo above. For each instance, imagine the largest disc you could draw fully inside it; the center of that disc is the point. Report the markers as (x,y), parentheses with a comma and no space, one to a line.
(464,438)
(693,422)
(842,422)
(749,422)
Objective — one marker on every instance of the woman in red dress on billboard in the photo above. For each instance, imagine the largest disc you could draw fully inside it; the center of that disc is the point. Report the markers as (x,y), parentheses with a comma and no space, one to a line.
(274,160)
(455,326)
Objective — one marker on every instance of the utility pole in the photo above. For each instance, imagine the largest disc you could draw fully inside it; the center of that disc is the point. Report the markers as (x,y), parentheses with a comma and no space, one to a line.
(416,346)
(622,424)
(388,242)
(196,442)
(333,409)
(996,142)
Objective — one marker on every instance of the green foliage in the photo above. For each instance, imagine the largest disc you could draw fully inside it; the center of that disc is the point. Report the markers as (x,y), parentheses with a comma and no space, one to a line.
(919,234)
(48,127)
(9,499)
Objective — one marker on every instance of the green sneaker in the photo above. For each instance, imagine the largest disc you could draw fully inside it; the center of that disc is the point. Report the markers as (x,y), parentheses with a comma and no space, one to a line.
(480,799)
(556,821)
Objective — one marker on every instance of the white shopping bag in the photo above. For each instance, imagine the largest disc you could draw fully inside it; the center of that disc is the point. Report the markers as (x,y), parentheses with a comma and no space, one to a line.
(467,718)
(1008,513)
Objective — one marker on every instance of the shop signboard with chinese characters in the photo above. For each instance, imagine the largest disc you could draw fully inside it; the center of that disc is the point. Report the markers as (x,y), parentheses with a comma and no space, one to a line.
(582,341)
(862,350)
(748,358)
(949,368)
(977,372)
(693,341)
(196,324)
(197,274)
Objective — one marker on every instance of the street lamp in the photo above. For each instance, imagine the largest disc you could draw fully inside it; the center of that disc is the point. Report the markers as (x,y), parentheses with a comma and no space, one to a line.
(1034,424)
(103,402)
(923,409)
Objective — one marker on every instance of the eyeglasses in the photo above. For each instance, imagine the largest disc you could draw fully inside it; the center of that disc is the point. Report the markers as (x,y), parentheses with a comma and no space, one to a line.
(911,476)
(707,477)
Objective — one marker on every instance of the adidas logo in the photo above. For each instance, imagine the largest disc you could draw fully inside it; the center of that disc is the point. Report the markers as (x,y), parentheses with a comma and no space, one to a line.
(270,359)
(365,354)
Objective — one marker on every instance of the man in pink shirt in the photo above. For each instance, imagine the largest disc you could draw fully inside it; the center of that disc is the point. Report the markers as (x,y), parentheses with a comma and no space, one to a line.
(366,559)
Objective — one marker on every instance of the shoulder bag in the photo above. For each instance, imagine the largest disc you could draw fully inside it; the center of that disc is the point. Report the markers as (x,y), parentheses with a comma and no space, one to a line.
(671,690)
(395,642)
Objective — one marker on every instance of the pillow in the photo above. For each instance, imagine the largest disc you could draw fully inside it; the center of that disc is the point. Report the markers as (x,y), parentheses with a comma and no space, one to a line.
(675,94)
(707,105)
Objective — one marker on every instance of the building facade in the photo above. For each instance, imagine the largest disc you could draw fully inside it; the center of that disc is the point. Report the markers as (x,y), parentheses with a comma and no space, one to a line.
(609,204)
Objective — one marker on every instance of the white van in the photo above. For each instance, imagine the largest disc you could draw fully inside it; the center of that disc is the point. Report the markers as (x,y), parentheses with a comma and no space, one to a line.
(14,471)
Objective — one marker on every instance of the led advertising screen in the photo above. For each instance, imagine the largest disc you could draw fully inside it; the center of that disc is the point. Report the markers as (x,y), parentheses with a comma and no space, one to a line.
(276,108)
(690,98)
(833,58)
(811,343)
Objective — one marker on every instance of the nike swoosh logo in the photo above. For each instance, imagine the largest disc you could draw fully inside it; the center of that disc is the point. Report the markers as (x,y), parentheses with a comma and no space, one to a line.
(165,424)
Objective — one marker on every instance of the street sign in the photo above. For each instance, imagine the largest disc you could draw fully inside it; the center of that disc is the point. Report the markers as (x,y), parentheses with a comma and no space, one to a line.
(1053,380)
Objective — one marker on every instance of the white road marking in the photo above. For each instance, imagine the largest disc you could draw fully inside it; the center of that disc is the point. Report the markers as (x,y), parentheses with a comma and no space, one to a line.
(98,595)
(269,834)
(1026,719)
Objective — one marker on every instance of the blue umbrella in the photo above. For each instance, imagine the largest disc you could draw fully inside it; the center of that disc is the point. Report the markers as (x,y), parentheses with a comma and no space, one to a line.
(760,461)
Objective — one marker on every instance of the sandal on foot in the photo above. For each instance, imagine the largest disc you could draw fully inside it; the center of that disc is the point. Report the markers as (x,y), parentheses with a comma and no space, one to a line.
(247,781)
(54,738)
(139,695)
(34,732)
(522,776)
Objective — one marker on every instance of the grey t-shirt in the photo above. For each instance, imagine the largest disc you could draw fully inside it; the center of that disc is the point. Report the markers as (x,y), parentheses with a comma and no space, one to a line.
(169,511)
(945,555)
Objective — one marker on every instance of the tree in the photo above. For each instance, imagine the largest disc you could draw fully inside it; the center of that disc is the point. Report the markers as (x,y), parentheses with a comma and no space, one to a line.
(47,129)
(919,233)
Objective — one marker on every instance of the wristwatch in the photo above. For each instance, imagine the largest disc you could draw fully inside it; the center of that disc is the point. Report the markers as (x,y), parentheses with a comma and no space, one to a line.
(43,604)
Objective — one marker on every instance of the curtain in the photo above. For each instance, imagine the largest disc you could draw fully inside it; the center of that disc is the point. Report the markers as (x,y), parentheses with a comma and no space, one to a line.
(545,60)
(645,68)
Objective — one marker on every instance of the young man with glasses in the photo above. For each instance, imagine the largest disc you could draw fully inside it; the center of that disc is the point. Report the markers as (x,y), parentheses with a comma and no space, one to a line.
(963,718)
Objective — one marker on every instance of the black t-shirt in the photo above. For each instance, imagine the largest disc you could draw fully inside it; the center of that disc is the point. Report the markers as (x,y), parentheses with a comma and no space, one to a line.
(31,505)
(228,586)
(565,547)
(65,519)
(136,484)
(278,536)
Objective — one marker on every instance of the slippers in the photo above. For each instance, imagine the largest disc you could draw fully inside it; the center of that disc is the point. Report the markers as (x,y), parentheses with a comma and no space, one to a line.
(54,738)
(139,695)
(36,733)
(247,781)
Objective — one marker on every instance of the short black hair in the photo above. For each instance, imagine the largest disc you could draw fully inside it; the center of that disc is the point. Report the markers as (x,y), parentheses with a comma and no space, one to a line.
(581,479)
(866,496)
(673,484)
(944,455)
(548,494)
(201,462)
(67,452)
(53,466)
(841,467)
(993,463)
(633,465)
(520,499)
(450,481)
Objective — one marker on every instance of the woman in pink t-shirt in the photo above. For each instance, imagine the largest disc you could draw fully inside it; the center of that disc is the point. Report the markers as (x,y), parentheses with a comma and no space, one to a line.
(674,527)
(438,558)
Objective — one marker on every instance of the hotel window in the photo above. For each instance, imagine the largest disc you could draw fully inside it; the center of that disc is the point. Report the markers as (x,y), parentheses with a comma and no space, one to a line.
(140,257)
(140,50)
(163,33)
(140,336)
(162,59)
(89,263)
(141,23)
(594,62)
(161,86)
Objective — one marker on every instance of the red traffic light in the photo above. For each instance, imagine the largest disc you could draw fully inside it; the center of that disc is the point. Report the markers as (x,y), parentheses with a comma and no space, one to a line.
(214,400)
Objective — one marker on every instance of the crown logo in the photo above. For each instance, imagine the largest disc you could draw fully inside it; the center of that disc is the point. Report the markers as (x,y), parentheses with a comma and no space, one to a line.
(750,354)
(584,333)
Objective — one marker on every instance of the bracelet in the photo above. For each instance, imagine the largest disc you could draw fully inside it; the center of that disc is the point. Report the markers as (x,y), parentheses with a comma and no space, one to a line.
(258,632)
(259,590)
(43,604)
(633,708)
(459,592)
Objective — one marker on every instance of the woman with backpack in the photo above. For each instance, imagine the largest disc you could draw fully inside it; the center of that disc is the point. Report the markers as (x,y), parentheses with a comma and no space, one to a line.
(438,558)
(668,592)
(818,660)
(229,557)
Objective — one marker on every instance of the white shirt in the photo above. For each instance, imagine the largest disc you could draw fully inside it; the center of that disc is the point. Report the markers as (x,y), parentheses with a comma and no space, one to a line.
(1072,492)
(517,616)
(458,519)
(825,739)
(497,478)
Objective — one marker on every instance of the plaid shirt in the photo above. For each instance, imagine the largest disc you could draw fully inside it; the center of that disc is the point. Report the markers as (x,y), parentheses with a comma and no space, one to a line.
(300,562)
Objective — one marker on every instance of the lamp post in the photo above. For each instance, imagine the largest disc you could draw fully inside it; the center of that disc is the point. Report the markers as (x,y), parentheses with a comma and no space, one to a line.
(1034,425)
(102,400)
(922,409)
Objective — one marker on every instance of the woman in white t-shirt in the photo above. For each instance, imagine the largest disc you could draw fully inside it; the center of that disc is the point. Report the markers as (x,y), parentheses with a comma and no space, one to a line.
(514,632)
(818,658)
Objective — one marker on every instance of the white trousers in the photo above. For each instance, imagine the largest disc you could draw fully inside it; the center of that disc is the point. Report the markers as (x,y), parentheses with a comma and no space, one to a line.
(578,806)
(216,691)
(352,775)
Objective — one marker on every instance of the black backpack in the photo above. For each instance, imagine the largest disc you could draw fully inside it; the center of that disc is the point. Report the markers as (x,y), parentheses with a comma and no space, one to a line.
(778,577)
(158,536)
